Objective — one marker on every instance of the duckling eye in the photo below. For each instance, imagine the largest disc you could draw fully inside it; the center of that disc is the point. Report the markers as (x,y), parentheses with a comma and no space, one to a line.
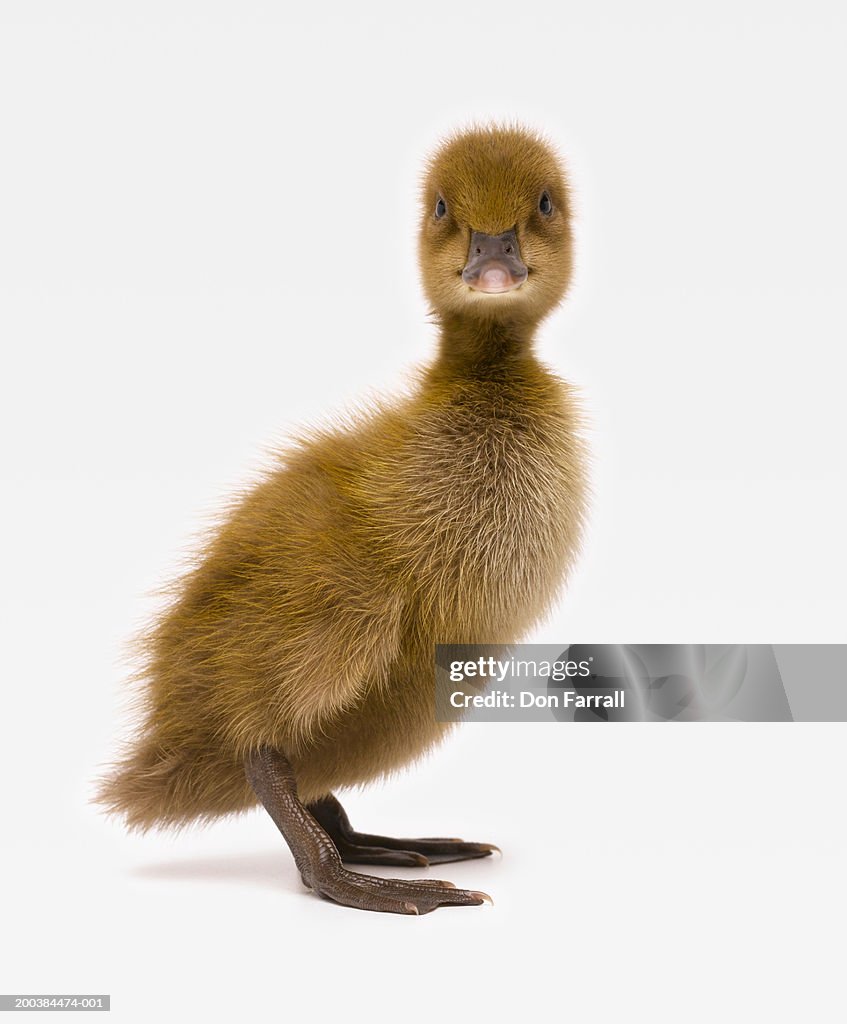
(440,208)
(545,204)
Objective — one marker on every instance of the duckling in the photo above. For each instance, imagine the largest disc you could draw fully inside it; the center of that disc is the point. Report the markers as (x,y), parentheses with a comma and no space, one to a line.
(296,656)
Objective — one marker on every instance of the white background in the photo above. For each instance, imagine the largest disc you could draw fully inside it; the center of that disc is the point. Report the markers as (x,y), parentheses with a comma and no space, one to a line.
(207,236)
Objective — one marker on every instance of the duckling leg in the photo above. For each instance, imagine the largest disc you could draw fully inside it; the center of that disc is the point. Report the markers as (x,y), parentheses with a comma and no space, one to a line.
(361,848)
(272,778)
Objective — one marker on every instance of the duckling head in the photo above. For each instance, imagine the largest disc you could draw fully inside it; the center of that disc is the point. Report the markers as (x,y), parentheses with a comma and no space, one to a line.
(495,238)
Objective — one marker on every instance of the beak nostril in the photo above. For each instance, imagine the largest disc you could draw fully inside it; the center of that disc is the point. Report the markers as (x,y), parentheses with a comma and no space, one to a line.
(478,251)
(508,249)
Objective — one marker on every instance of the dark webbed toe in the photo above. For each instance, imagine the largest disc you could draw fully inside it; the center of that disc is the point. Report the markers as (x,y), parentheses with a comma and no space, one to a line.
(393,895)
(363,848)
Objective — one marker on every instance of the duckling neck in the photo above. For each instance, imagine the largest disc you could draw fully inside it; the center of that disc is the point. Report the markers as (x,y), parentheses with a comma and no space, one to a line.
(470,347)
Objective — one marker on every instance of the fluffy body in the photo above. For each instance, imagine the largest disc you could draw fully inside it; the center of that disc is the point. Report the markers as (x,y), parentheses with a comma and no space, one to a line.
(309,621)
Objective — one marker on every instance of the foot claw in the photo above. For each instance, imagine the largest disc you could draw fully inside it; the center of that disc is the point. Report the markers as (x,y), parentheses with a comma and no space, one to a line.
(482,896)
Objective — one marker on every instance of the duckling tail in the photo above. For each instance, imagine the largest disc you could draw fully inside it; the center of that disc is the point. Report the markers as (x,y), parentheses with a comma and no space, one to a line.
(166,786)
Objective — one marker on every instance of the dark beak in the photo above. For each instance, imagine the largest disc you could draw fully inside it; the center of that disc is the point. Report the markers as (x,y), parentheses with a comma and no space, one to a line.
(494,263)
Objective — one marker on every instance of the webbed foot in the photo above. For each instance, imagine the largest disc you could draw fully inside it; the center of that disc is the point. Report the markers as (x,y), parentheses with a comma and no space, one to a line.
(390,895)
(362,848)
(319,861)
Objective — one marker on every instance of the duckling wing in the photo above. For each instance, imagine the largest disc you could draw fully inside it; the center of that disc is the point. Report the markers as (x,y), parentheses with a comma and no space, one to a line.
(341,639)
(291,614)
